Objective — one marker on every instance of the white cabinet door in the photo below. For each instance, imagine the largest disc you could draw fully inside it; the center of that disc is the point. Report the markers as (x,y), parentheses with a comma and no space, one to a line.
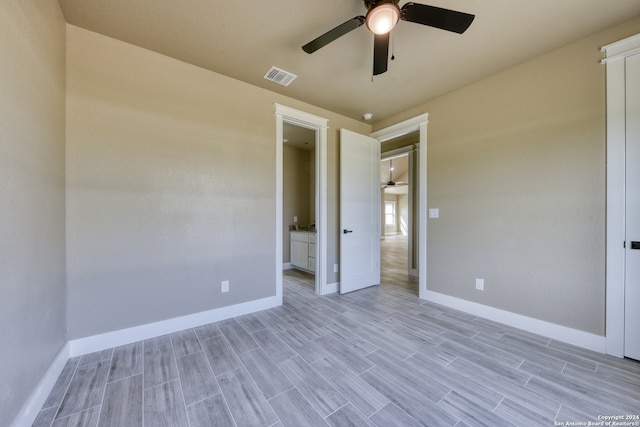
(299,254)
(312,256)
(299,250)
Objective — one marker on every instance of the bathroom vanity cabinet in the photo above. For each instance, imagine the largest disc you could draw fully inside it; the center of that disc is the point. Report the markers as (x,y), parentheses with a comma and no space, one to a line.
(303,250)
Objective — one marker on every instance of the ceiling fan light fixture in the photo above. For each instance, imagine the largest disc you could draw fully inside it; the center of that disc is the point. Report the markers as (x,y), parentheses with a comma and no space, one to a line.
(382,18)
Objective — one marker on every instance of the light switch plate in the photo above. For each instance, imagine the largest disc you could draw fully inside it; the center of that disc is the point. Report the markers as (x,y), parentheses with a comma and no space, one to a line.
(434,213)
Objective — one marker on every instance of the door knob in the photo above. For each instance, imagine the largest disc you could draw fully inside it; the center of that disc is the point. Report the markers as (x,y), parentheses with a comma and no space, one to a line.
(635,245)
(345,231)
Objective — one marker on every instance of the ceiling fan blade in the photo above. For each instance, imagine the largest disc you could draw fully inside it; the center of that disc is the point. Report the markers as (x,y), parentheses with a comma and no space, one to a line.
(380,53)
(333,34)
(437,17)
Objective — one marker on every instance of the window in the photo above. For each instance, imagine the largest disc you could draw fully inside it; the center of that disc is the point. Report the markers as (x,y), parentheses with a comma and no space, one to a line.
(390,213)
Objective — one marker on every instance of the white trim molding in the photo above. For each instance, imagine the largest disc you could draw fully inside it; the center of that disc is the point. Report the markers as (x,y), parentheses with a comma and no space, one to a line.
(331,288)
(550,330)
(108,340)
(31,408)
(616,53)
(300,118)
(400,129)
(621,49)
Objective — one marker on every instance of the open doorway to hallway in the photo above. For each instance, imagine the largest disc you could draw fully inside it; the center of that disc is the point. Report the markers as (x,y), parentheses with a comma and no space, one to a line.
(393,263)
(398,182)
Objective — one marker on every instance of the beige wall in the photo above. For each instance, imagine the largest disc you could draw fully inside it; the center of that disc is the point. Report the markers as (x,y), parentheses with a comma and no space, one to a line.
(170,186)
(403,213)
(32,257)
(312,186)
(516,165)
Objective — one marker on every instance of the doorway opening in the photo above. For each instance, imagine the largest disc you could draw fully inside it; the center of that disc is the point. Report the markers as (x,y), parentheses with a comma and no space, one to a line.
(399,192)
(411,136)
(299,199)
(313,130)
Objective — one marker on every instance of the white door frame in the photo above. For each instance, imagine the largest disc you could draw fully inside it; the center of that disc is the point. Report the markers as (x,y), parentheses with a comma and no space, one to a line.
(410,152)
(616,53)
(418,123)
(299,118)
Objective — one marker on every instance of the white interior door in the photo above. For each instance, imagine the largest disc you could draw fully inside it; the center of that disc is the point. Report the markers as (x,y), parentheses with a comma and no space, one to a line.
(359,211)
(632,210)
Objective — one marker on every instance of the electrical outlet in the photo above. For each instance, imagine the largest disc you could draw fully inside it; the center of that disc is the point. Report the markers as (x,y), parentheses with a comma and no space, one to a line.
(224,286)
(480,284)
(335,268)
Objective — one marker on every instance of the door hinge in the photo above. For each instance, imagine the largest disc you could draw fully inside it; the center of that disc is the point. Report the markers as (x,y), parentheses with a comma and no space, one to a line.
(624,244)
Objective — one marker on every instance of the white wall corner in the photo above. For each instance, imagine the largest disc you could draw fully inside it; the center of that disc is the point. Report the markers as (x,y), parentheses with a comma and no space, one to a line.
(287,266)
(547,329)
(31,408)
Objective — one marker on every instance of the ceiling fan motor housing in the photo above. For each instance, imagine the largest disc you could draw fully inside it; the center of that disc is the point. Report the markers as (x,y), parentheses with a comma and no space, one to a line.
(372,3)
(382,15)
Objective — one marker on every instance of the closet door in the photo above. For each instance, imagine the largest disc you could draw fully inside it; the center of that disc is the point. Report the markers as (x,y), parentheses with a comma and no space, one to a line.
(632,208)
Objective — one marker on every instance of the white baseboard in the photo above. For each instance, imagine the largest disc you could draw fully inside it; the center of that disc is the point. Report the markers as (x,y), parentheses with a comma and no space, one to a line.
(551,330)
(31,408)
(78,347)
(150,330)
(287,266)
(330,288)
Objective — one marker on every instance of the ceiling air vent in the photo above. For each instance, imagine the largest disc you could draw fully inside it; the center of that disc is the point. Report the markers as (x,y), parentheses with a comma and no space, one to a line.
(279,76)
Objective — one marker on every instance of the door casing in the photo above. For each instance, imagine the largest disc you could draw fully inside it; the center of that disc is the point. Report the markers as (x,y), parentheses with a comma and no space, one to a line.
(616,53)
(319,124)
(418,123)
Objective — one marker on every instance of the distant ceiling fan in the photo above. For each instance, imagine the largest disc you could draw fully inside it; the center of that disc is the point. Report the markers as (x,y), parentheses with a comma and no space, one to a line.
(383,15)
(391,182)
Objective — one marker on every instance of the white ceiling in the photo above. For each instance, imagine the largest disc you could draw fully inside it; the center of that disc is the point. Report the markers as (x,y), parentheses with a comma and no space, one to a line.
(243,39)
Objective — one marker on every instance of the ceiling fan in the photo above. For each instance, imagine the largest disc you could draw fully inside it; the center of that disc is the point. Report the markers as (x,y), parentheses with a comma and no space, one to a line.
(391,182)
(383,15)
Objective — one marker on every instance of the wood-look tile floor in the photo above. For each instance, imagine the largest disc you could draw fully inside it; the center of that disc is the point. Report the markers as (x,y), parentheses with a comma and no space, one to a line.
(376,357)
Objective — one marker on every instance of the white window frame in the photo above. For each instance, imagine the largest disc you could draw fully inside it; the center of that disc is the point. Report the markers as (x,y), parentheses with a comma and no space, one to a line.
(393,214)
